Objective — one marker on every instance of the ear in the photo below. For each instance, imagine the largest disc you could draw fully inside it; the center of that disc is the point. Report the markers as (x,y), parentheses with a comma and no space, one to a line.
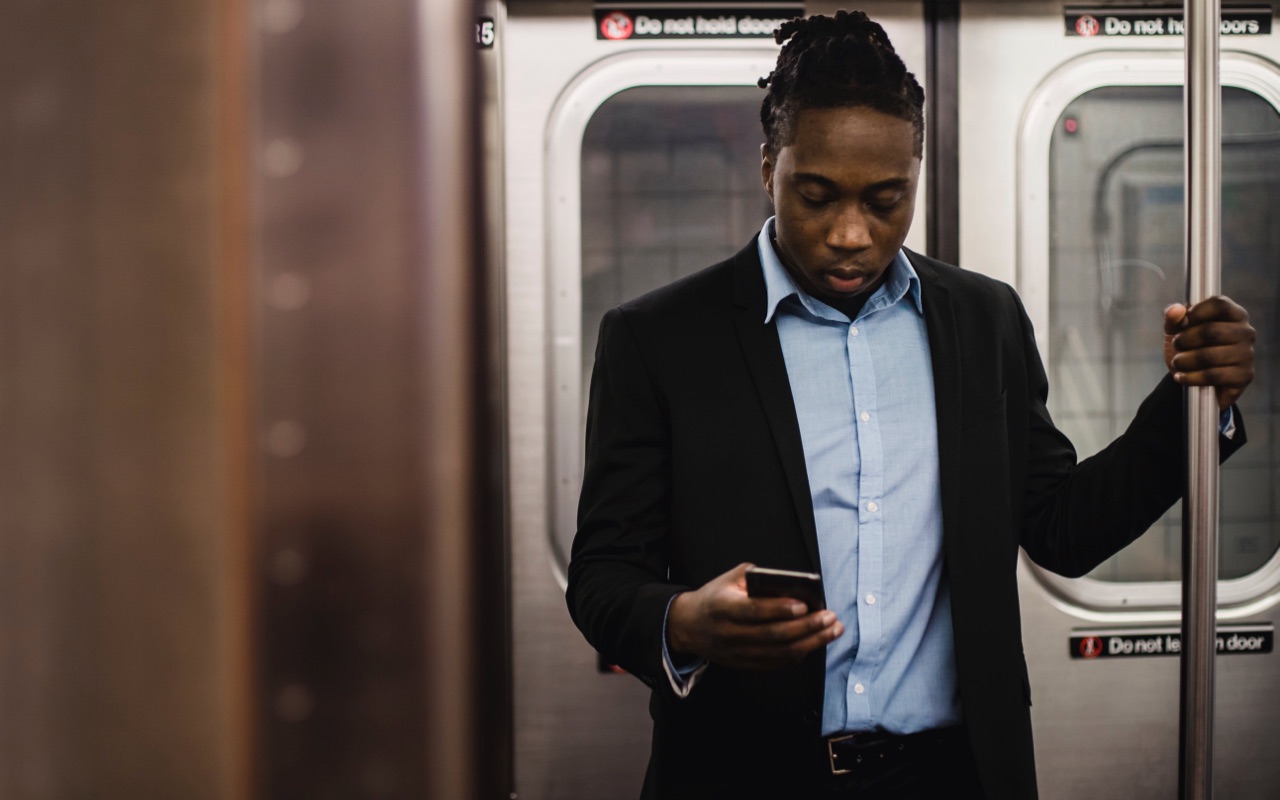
(766,170)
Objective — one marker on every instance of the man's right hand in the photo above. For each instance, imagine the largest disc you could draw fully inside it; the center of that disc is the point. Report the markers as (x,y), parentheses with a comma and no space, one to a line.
(721,623)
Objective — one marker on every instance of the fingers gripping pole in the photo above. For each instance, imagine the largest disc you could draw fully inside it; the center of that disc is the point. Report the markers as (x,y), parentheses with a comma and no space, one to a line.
(1203,174)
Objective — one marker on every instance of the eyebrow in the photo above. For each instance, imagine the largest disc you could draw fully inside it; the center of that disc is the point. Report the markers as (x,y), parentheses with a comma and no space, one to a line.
(813,177)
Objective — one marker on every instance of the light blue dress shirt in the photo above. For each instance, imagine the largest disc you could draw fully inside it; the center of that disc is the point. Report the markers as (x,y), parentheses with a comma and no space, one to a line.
(863,393)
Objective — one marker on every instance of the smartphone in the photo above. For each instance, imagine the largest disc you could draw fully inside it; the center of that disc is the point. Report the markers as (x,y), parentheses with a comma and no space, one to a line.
(803,586)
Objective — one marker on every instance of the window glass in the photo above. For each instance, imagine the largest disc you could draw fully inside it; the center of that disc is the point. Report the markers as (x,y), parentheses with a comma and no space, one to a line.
(1116,261)
(670,184)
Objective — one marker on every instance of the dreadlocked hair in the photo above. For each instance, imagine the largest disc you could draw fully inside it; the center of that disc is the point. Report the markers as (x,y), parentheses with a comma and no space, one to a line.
(837,62)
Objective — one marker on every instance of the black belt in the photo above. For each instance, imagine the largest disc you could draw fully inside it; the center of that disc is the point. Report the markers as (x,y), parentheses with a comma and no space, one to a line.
(856,751)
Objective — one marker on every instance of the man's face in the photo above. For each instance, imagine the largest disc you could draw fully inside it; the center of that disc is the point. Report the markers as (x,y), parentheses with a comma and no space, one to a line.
(844,191)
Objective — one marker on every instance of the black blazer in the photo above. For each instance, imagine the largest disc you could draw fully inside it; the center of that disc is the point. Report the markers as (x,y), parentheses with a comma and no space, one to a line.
(694,464)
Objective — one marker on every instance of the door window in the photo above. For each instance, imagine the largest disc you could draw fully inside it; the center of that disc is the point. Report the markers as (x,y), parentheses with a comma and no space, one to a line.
(668,179)
(670,184)
(1116,261)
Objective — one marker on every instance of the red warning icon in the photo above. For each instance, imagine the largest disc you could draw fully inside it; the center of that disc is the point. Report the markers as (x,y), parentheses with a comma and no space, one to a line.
(1087,25)
(616,25)
(1091,646)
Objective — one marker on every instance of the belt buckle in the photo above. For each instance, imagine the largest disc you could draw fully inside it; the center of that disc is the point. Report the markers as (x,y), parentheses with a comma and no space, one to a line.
(831,753)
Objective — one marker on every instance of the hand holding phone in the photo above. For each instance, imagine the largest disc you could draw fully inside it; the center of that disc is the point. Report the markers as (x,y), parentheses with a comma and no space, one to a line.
(720,623)
(803,586)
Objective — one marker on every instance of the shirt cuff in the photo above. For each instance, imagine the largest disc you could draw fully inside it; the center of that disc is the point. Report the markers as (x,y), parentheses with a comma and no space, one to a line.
(1227,422)
(685,677)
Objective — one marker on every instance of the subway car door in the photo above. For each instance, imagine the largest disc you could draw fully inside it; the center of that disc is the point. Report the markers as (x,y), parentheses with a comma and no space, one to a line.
(1071,188)
(631,150)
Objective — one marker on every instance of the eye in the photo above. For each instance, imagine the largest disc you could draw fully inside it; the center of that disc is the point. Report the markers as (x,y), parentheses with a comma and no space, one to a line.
(885,205)
(814,202)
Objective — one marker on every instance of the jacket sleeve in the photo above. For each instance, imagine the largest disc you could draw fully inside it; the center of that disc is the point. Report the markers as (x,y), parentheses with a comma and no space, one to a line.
(1075,516)
(617,582)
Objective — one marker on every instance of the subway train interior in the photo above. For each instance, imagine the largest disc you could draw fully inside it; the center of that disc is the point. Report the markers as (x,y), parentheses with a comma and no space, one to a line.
(298,310)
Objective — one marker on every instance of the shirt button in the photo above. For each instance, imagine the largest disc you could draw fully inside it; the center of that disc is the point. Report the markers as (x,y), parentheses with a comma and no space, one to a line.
(864,416)
(853,331)
(858,688)
(871,599)
(872,507)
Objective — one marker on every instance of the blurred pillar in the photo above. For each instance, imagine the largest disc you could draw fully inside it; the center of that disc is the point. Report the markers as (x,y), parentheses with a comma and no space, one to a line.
(381,571)
(123,524)
(467,587)
(250,541)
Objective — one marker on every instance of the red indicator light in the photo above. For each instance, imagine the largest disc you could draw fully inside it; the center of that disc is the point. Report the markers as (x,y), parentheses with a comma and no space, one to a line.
(1071,125)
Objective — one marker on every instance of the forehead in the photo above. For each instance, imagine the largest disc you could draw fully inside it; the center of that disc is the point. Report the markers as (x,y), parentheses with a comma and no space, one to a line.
(832,140)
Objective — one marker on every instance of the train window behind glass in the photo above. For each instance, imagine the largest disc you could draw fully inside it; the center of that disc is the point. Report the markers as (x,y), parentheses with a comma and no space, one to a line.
(1116,261)
(670,184)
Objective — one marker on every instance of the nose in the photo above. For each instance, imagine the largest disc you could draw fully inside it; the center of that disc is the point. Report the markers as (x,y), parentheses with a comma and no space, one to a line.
(850,230)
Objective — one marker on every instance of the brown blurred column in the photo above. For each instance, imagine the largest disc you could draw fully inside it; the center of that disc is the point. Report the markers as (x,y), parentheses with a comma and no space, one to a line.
(381,564)
(250,537)
(123,528)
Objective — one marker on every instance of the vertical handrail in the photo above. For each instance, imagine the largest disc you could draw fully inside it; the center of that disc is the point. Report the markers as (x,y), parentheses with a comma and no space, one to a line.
(1203,180)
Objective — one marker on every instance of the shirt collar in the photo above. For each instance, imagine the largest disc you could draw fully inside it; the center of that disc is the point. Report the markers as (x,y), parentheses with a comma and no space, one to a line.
(902,281)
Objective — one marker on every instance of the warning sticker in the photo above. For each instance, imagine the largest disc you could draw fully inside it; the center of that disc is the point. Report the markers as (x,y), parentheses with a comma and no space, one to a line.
(619,24)
(1156,21)
(1166,642)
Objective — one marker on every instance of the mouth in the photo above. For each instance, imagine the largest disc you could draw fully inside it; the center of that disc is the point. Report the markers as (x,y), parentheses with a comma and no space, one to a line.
(844,281)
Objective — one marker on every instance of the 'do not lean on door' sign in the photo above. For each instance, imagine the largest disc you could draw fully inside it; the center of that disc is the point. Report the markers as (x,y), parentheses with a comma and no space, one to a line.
(1157,21)
(1122,643)
(628,23)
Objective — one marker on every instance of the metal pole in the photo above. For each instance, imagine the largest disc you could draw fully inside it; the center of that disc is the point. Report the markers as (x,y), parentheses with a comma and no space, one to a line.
(1203,127)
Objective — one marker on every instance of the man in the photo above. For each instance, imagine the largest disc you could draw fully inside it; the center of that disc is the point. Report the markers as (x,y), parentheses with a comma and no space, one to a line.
(825,401)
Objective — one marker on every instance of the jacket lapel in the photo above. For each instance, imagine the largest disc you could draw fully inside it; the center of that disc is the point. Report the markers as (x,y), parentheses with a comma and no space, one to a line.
(763,352)
(944,350)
